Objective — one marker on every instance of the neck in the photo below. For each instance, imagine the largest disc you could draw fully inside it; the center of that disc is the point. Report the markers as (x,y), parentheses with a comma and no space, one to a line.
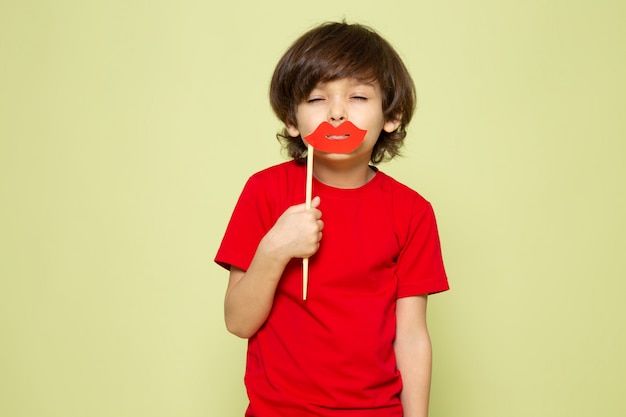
(342,175)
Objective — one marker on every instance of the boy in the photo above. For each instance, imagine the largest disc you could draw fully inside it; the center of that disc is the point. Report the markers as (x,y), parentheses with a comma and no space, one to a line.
(359,344)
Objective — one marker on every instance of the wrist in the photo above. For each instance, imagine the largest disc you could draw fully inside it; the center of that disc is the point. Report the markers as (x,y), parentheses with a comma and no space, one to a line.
(272,252)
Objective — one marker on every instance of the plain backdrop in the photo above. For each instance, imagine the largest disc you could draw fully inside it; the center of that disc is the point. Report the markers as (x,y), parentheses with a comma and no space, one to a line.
(128,128)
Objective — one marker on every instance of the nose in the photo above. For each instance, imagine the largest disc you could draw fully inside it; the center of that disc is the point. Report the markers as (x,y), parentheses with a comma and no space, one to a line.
(337,111)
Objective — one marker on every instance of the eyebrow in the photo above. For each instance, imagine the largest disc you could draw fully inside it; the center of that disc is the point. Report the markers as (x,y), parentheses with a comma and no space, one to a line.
(369,82)
(355,83)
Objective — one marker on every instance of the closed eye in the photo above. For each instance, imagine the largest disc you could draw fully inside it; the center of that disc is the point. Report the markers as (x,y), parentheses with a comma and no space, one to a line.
(359,98)
(314,100)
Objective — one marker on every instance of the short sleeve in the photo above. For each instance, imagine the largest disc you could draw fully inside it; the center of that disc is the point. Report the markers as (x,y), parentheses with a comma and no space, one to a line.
(249,222)
(420,269)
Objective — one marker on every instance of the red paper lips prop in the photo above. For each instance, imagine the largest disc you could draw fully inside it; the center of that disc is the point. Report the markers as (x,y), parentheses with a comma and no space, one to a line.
(344,138)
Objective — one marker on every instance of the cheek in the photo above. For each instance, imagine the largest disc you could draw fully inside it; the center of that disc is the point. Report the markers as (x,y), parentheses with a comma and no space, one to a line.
(374,124)
(307,124)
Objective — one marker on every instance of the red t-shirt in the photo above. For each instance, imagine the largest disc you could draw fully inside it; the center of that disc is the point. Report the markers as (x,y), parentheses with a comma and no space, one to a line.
(332,355)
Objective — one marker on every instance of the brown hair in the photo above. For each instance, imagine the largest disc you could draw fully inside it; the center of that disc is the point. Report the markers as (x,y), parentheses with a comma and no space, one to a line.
(333,51)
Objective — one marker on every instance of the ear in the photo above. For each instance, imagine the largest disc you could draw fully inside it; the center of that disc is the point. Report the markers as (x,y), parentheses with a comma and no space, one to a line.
(293,131)
(392,124)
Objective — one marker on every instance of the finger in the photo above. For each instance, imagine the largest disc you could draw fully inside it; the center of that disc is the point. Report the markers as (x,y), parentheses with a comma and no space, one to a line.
(315,201)
(296,208)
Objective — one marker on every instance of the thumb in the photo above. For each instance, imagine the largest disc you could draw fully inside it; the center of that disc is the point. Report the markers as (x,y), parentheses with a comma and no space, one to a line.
(315,202)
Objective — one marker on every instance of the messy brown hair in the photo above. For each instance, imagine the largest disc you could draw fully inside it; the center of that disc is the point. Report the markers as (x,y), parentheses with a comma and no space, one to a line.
(334,51)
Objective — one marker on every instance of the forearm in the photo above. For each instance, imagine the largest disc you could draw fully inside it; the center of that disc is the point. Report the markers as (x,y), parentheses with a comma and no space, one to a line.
(413,355)
(250,294)
(414,359)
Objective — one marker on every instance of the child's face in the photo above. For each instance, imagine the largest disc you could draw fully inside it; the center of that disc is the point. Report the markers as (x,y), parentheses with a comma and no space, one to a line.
(341,100)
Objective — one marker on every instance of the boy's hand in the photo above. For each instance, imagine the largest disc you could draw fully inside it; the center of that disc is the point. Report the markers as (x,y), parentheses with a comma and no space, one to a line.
(297,232)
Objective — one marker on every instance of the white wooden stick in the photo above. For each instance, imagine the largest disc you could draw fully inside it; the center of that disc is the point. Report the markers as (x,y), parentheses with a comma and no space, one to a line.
(307,204)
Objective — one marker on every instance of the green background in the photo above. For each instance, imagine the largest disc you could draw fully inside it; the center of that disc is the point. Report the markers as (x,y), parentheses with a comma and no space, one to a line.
(128,128)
